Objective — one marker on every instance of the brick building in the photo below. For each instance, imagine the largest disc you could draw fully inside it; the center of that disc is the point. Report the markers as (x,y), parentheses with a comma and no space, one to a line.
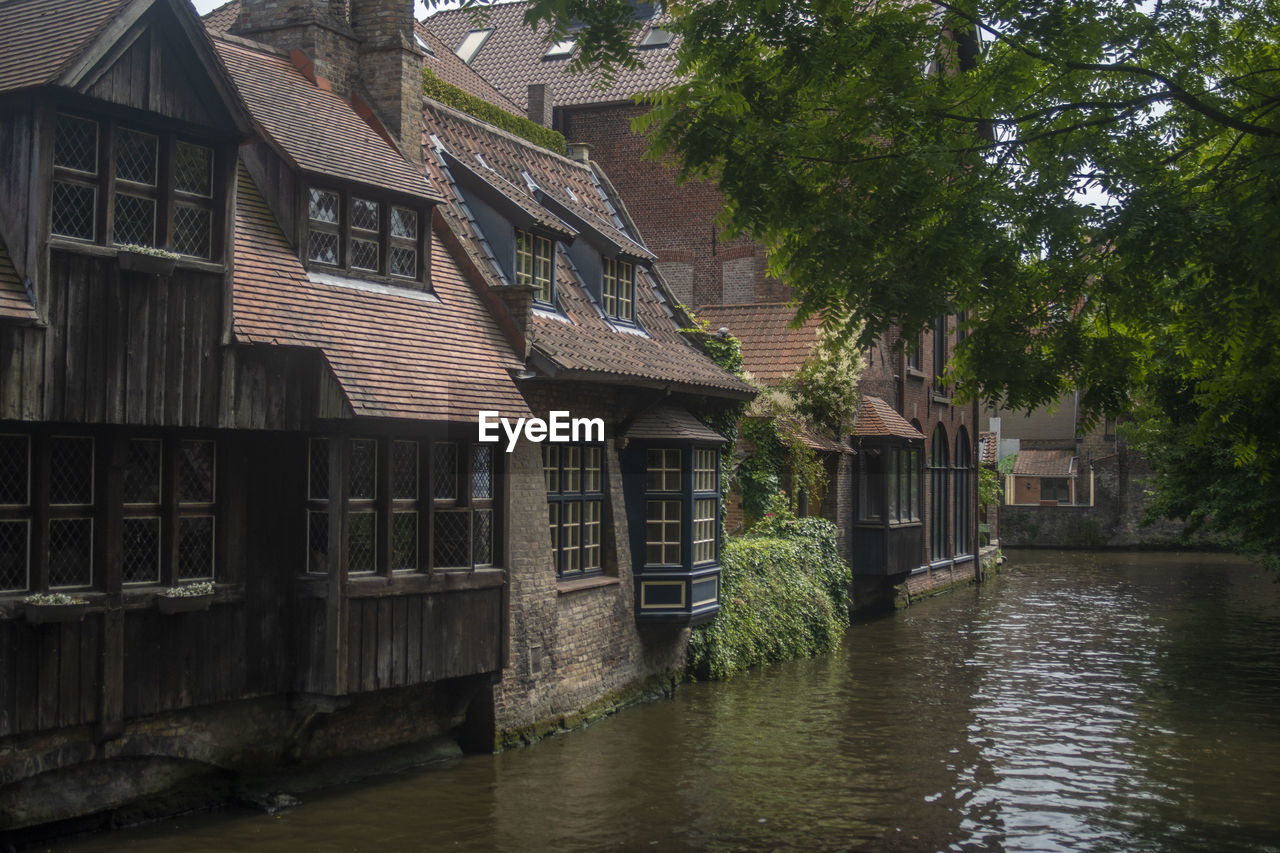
(255,295)
(728,283)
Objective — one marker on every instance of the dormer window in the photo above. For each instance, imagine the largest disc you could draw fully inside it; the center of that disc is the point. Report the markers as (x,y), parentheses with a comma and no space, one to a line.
(533,264)
(618,289)
(127,186)
(365,236)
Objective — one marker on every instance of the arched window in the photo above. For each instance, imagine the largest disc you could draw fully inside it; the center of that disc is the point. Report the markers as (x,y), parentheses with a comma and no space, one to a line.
(938,494)
(963,514)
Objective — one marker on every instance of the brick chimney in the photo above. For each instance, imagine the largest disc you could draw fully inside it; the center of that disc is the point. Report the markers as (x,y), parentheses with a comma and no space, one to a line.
(541,100)
(390,66)
(319,28)
(363,47)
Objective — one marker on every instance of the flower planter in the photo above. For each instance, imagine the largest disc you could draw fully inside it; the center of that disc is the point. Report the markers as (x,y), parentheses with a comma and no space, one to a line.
(146,263)
(45,613)
(184,603)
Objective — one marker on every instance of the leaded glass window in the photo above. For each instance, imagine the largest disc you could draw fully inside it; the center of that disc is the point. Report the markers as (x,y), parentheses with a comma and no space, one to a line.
(180,217)
(364,235)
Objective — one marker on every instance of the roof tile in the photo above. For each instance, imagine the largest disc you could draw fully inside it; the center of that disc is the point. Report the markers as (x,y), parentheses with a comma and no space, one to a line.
(39,37)
(394,356)
(876,418)
(1044,463)
(580,342)
(772,348)
(317,129)
(513,58)
(15,304)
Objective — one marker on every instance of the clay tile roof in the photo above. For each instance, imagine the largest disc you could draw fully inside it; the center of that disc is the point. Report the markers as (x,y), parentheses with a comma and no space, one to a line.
(394,355)
(315,128)
(669,421)
(988,452)
(578,343)
(446,65)
(39,37)
(512,59)
(220,19)
(878,418)
(1045,463)
(771,349)
(15,304)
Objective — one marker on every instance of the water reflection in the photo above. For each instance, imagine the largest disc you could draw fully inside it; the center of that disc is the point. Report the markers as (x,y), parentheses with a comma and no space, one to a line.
(1080,702)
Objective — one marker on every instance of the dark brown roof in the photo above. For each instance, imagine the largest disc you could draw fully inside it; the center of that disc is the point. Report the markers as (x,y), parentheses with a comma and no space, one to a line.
(15,304)
(446,65)
(39,38)
(316,129)
(669,421)
(580,343)
(512,58)
(772,350)
(876,418)
(395,355)
(1044,463)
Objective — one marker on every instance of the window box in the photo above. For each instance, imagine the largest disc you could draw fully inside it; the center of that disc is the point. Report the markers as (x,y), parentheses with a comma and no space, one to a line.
(62,609)
(184,603)
(150,261)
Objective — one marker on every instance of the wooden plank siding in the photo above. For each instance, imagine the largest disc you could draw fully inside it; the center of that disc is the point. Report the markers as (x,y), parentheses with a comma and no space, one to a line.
(120,348)
(51,674)
(398,641)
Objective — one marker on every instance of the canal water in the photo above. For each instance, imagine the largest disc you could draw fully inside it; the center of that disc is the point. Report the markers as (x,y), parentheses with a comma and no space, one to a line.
(1079,701)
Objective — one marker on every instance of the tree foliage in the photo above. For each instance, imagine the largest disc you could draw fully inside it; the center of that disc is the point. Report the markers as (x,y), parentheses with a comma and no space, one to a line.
(1094,182)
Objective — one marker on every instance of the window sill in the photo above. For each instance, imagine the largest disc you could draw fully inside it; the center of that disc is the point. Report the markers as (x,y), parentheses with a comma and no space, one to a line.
(568,587)
(406,583)
(96,250)
(915,374)
(942,400)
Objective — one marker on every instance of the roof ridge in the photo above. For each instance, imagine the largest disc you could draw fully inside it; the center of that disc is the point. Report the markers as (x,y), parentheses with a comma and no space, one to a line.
(454,111)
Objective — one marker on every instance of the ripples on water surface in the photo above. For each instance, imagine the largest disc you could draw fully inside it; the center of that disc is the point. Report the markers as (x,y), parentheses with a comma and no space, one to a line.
(1077,702)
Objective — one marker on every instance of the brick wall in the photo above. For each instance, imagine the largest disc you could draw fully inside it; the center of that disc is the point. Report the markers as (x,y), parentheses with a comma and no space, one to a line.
(571,650)
(677,221)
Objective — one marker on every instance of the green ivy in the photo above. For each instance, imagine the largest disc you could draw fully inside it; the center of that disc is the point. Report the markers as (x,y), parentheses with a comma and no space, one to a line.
(452,96)
(784,594)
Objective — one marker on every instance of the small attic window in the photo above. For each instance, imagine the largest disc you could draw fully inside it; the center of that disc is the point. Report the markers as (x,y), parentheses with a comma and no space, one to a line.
(471,44)
(561,49)
(656,37)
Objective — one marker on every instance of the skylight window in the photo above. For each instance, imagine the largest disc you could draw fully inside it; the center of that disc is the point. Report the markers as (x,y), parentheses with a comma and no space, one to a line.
(561,49)
(656,37)
(422,45)
(471,43)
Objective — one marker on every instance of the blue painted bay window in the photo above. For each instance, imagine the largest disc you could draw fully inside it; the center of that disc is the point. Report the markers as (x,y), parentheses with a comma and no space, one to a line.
(673,507)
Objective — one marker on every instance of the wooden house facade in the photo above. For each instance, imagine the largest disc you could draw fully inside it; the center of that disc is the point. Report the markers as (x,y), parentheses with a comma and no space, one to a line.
(247,325)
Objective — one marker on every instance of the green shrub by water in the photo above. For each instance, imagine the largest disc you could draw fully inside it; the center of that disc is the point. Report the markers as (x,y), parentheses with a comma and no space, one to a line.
(784,594)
